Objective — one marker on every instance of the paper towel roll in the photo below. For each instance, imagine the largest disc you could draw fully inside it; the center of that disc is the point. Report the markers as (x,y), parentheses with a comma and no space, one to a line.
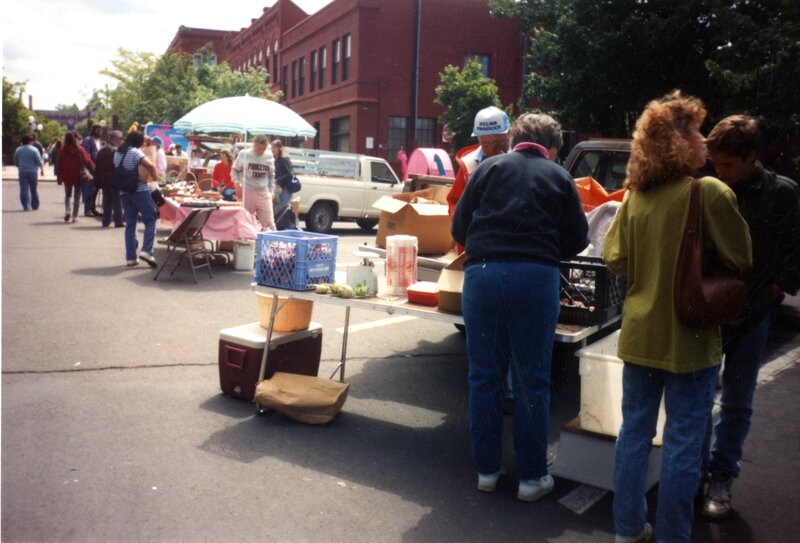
(401,263)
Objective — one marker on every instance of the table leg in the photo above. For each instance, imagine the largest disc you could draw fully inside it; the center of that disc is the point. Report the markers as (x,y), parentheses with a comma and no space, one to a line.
(342,363)
(264,356)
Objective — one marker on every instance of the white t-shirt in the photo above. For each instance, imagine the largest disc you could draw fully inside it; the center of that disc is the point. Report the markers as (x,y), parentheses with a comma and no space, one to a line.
(258,170)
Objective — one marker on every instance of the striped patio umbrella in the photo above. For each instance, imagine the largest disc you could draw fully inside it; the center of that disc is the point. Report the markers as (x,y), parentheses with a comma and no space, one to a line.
(247,115)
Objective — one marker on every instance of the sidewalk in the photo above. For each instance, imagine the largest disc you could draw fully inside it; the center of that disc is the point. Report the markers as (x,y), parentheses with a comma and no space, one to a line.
(10,173)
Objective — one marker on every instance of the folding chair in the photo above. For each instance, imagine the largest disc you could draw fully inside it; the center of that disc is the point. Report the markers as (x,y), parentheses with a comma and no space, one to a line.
(188,235)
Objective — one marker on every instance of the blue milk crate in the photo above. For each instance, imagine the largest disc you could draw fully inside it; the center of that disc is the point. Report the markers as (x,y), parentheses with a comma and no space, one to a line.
(295,260)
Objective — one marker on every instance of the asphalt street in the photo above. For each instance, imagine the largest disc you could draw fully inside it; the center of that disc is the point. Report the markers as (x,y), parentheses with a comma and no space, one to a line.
(114,428)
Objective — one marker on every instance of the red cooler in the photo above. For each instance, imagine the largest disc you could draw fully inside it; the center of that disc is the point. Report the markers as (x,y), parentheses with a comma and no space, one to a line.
(241,349)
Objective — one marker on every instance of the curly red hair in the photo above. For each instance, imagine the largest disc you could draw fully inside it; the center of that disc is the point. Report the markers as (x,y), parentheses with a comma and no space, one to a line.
(660,151)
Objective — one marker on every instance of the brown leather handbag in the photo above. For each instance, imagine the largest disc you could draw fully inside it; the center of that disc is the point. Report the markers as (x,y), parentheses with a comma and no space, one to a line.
(703,300)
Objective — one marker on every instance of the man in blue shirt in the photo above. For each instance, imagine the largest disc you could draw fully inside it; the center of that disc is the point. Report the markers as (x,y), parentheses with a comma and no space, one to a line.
(29,163)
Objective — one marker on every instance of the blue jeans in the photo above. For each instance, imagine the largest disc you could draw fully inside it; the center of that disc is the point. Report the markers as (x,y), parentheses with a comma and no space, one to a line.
(688,398)
(743,354)
(133,205)
(28,195)
(510,325)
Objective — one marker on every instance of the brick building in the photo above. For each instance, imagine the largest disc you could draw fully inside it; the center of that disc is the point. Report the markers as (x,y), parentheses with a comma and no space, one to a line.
(362,71)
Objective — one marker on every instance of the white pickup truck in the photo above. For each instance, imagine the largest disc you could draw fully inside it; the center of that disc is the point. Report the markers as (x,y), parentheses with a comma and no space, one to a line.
(341,186)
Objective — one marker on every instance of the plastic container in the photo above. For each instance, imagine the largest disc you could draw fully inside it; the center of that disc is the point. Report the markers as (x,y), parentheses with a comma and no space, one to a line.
(295,260)
(401,263)
(601,389)
(597,293)
(424,292)
(294,315)
(244,254)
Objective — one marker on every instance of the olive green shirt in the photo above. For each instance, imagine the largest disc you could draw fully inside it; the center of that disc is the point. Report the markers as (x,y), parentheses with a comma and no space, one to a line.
(643,244)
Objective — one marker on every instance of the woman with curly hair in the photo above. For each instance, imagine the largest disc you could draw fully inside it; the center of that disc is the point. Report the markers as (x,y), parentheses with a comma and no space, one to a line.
(662,356)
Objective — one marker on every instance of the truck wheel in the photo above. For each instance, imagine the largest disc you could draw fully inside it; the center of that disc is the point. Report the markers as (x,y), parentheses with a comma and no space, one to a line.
(320,218)
(366,224)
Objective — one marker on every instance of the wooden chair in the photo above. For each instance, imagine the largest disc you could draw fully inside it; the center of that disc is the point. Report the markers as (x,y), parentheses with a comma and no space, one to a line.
(188,236)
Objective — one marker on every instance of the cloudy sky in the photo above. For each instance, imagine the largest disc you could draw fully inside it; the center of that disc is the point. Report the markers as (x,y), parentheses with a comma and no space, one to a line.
(58,47)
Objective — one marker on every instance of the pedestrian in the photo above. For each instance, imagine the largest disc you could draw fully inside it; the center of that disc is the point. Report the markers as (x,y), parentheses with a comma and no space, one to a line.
(29,163)
(253,172)
(402,158)
(92,145)
(491,127)
(661,355)
(160,157)
(284,173)
(179,152)
(769,205)
(55,149)
(129,156)
(103,178)
(518,217)
(71,160)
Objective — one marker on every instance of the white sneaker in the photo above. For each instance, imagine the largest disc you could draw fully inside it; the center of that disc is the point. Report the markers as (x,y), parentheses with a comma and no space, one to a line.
(488,483)
(646,535)
(134,262)
(533,489)
(147,257)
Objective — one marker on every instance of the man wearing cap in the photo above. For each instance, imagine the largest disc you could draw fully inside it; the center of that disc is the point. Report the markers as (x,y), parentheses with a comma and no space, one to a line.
(491,128)
(103,176)
(92,145)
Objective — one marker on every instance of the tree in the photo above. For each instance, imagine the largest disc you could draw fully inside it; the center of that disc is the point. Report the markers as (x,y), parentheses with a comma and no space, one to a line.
(164,88)
(15,117)
(464,93)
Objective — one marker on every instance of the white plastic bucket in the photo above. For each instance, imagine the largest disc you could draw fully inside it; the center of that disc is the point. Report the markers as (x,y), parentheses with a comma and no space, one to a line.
(244,254)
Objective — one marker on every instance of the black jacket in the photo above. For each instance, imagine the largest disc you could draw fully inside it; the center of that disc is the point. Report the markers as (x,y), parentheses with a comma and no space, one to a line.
(520,206)
(771,206)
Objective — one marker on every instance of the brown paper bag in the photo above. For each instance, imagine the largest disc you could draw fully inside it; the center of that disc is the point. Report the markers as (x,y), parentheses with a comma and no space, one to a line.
(312,400)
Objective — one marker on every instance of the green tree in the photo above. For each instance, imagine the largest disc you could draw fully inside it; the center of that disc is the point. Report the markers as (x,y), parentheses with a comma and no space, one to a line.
(15,118)
(463,93)
(164,88)
(596,64)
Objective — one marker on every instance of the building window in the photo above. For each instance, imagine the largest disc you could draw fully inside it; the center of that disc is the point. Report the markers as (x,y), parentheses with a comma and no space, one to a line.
(337,58)
(294,78)
(340,134)
(312,77)
(275,66)
(398,134)
(284,81)
(212,59)
(346,59)
(301,79)
(316,136)
(198,60)
(483,60)
(323,63)
(426,127)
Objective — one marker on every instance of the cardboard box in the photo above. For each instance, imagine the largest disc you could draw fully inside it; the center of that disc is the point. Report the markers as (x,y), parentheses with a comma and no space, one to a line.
(429,222)
(451,282)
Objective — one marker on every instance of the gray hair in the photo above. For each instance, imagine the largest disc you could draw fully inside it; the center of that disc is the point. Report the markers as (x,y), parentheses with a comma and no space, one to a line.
(538,128)
(260,139)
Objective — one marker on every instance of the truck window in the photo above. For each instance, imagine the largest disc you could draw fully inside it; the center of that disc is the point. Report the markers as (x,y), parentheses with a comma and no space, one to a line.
(381,173)
(606,167)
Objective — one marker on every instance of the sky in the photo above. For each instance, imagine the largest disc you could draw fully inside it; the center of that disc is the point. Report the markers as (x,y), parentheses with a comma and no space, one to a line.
(57,48)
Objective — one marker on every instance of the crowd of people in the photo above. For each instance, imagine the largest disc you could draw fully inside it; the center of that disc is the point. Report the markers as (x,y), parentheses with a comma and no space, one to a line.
(517,215)
(85,166)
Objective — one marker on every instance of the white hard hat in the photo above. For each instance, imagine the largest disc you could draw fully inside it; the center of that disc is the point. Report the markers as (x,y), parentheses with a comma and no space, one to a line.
(490,120)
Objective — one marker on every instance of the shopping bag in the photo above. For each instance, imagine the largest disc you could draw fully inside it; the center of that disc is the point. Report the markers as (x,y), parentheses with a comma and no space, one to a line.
(312,400)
